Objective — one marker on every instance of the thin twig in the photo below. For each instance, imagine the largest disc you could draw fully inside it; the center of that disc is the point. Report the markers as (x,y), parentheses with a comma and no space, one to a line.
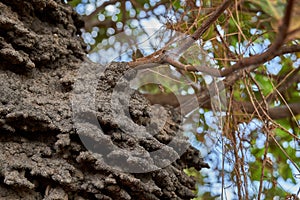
(204,26)
(267,55)
(263,166)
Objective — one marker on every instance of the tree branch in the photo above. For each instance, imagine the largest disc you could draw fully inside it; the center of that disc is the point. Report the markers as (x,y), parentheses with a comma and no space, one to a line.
(286,81)
(146,62)
(271,52)
(274,112)
(287,49)
(97,23)
(162,57)
(274,50)
(204,26)
(168,56)
(207,70)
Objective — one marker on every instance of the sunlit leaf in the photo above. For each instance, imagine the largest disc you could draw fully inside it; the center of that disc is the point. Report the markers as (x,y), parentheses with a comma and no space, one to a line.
(264,83)
(274,8)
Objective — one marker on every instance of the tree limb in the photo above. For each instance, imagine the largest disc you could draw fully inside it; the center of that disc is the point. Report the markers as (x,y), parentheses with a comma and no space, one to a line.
(271,52)
(205,25)
(168,56)
(274,50)
(278,112)
(286,81)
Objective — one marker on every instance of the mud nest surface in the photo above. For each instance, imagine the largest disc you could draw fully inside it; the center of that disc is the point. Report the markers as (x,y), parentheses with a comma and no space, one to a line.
(60,137)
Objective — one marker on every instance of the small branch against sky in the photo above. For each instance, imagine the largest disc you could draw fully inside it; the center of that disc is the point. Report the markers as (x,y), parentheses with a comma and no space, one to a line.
(204,26)
(168,57)
(271,52)
(274,50)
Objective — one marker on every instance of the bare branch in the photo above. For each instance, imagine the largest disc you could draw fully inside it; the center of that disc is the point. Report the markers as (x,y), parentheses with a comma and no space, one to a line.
(179,65)
(135,4)
(256,59)
(271,52)
(286,81)
(275,112)
(167,56)
(204,26)
(278,112)
(97,23)
(146,62)
(123,10)
(288,49)
(247,63)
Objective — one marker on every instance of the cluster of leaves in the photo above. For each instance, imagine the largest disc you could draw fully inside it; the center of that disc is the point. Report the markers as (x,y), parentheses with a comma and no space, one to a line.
(259,139)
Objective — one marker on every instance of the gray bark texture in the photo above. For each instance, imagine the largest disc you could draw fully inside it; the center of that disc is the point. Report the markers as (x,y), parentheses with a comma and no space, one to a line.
(42,155)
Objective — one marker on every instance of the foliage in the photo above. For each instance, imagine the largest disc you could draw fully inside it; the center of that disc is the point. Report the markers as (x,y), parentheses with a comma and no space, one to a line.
(259,138)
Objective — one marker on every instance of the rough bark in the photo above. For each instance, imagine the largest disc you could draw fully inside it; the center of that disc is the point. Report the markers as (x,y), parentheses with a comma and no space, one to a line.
(41,154)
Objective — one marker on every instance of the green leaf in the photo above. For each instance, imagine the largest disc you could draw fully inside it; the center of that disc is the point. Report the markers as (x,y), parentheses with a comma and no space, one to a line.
(255,170)
(284,171)
(265,84)
(274,8)
(176,4)
(74,3)
(258,152)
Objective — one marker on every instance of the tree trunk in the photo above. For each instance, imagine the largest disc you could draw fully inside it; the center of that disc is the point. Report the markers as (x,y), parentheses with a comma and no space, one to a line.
(42,155)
